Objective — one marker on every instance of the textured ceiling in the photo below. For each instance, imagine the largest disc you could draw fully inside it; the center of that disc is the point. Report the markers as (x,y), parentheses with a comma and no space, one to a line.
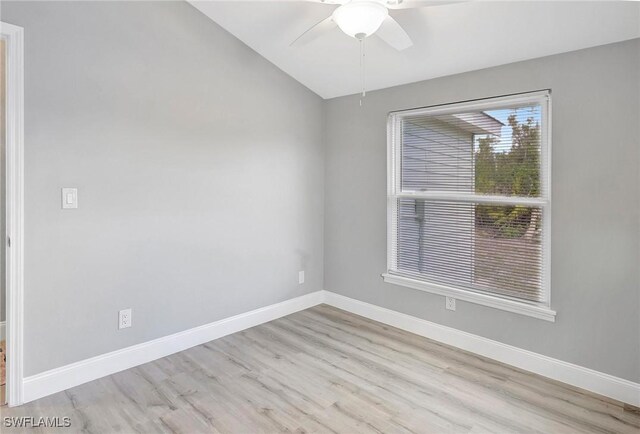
(448,39)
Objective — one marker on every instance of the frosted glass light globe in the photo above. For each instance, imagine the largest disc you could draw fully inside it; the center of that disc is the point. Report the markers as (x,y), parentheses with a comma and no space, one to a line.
(360,19)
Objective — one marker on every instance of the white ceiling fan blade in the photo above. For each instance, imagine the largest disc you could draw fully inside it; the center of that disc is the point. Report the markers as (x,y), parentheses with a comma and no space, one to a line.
(393,34)
(409,4)
(314,32)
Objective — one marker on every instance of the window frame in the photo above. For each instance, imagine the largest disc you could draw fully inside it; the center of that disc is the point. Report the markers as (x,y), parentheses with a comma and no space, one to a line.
(541,310)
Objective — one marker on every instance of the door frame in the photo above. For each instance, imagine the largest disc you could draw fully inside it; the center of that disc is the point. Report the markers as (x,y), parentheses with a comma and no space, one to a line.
(14,240)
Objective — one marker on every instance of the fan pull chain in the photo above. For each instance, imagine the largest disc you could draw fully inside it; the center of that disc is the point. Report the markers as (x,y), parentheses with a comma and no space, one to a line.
(362,70)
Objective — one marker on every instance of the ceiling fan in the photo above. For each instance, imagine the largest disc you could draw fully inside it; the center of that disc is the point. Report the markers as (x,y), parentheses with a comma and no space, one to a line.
(362,18)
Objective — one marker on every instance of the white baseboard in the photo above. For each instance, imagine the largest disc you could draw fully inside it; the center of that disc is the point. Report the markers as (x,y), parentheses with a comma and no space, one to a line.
(65,377)
(3,330)
(584,378)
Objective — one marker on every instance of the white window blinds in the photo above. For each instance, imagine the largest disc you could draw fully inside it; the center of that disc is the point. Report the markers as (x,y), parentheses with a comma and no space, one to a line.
(468,196)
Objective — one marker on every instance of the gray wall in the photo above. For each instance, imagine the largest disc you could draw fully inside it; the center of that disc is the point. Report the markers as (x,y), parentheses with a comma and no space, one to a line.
(199,166)
(201,170)
(595,205)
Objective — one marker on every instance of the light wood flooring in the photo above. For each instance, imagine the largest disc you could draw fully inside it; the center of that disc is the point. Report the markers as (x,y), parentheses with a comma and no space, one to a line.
(327,371)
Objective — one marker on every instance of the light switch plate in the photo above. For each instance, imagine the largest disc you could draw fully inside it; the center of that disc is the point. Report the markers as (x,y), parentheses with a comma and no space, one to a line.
(69,198)
(300,277)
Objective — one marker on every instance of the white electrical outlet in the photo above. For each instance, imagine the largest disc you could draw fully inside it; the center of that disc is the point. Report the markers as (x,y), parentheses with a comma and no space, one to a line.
(124,319)
(451,303)
(300,277)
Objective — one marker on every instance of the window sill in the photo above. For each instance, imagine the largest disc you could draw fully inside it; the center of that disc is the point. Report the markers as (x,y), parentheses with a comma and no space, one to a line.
(532,310)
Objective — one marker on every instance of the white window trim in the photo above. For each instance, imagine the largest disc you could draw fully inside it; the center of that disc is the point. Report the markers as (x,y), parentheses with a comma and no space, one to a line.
(540,310)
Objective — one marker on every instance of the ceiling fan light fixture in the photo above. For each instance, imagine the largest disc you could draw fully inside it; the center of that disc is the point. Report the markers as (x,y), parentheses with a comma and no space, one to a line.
(360,19)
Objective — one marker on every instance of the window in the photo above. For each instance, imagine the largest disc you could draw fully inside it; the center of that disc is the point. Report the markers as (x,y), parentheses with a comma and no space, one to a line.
(469,201)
